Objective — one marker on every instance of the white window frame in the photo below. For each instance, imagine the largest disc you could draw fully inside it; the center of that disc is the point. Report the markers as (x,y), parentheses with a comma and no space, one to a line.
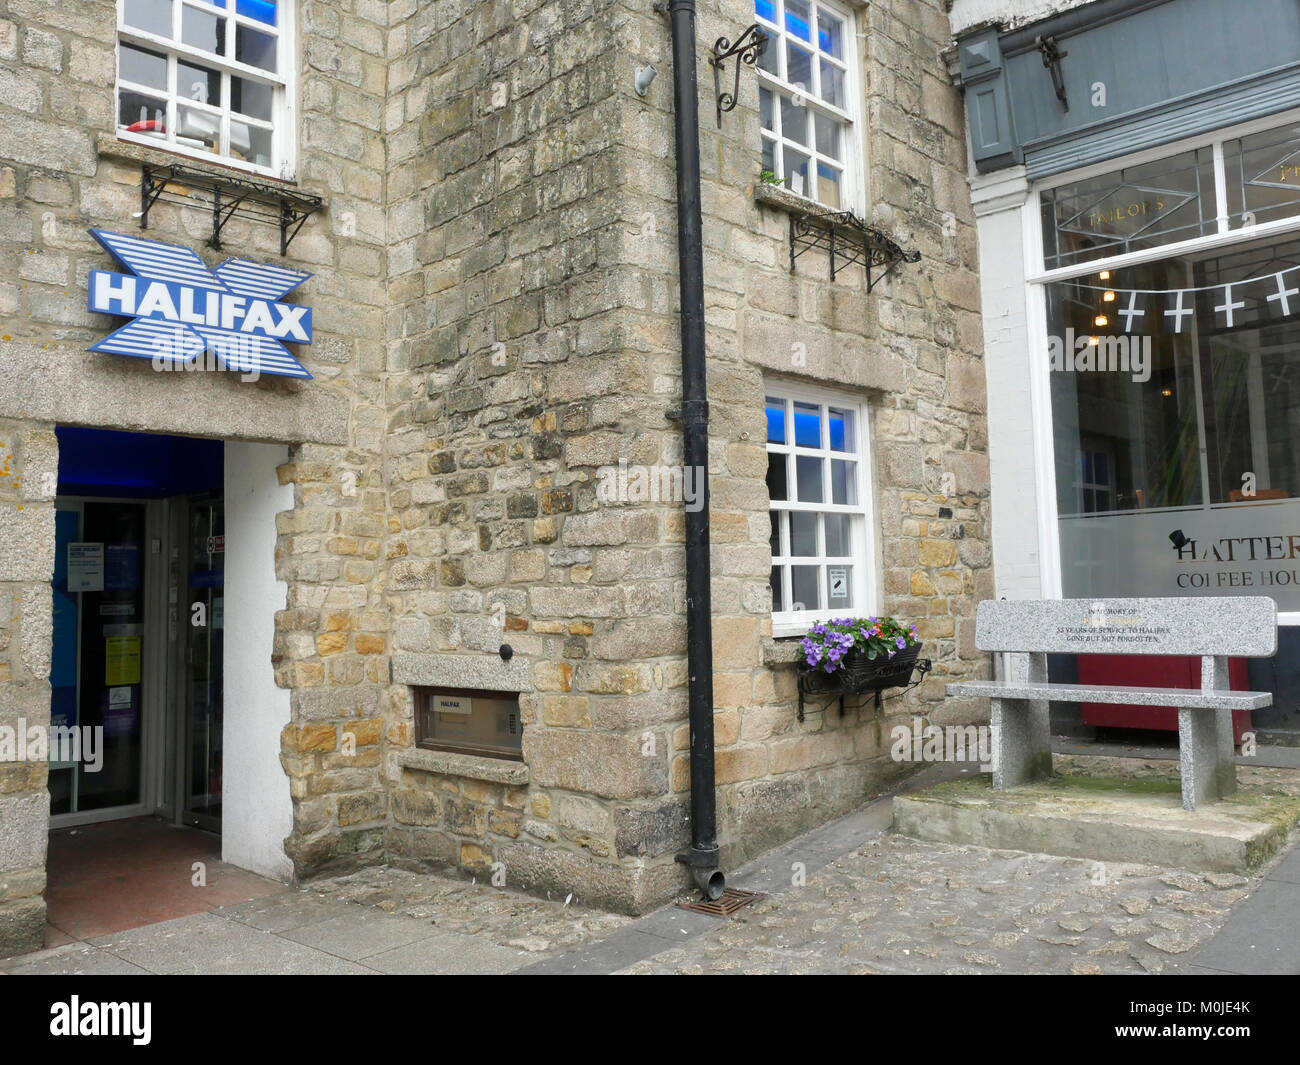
(1038,276)
(282,126)
(863,534)
(853,165)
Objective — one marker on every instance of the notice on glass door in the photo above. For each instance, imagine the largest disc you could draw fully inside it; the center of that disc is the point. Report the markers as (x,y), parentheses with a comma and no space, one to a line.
(121,660)
(85,567)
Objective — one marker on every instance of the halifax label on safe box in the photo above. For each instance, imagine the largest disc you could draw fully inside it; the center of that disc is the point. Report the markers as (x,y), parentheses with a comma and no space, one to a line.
(180,309)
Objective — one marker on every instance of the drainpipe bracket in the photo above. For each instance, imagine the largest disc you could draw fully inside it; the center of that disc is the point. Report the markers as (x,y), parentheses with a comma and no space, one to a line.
(695,412)
(698,858)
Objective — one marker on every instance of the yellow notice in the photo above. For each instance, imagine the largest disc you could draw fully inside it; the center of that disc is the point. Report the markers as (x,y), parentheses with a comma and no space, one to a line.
(121,660)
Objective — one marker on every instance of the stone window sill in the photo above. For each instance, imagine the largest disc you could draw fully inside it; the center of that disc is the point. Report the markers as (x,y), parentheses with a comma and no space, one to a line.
(781,198)
(781,651)
(111,147)
(473,767)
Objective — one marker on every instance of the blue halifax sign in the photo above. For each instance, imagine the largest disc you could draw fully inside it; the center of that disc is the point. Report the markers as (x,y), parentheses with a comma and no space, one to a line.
(180,309)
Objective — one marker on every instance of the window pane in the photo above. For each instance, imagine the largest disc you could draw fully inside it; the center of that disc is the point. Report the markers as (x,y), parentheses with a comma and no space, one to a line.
(776,582)
(254,48)
(153,16)
(142,114)
(765,9)
(198,129)
(798,19)
(774,538)
(794,121)
(809,474)
(262,10)
(141,67)
(839,587)
(840,423)
(776,477)
(251,98)
(803,533)
(804,588)
(828,136)
(832,84)
(198,83)
(839,542)
(829,183)
(1263,176)
(844,488)
(830,34)
(769,157)
(770,59)
(796,172)
(807,425)
(766,105)
(775,409)
(798,67)
(200,29)
(252,143)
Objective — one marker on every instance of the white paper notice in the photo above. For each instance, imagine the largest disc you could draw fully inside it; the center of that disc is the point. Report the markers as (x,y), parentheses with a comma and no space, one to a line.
(85,567)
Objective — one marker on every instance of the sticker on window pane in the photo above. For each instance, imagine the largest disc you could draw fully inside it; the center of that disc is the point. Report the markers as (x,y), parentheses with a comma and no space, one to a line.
(809,473)
(798,19)
(148,15)
(830,34)
(776,477)
(798,67)
(141,67)
(199,29)
(261,10)
(839,543)
(828,185)
(250,143)
(794,121)
(254,48)
(796,172)
(138,113)
(832,84)
(804,591)
(198,83)
(803,534)
(807,425)
(840,423)
(198,129)
(844,482)
(839,585)
(828,136)
(251,98)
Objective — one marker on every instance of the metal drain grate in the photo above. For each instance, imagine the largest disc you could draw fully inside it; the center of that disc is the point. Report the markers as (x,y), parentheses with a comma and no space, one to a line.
(733,899)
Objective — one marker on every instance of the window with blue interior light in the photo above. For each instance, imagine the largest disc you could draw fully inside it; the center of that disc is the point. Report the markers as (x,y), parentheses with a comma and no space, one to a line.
(821,532)
(807,95)
(210,78)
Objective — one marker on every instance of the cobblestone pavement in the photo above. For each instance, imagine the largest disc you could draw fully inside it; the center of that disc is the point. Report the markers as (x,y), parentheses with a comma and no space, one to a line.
(897,905)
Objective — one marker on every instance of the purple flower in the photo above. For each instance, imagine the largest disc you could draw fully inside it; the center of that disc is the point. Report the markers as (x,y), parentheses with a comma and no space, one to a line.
(901,643)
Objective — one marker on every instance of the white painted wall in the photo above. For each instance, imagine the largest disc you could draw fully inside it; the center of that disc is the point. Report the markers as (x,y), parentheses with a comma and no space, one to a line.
(257,813)
(970,14)
(999,200)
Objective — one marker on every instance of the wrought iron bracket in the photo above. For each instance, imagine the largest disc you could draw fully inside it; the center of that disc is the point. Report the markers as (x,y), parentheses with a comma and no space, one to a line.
(1052,56)
(230,196)
(847,241)
(748,47)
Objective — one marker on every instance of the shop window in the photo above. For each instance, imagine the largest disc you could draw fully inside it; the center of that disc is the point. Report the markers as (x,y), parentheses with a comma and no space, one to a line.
(807,94)
(468,722)
(208,78)
(817,481)
(1263,176)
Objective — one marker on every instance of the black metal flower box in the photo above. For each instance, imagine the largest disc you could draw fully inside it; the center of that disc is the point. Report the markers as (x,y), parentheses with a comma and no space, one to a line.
(859,674)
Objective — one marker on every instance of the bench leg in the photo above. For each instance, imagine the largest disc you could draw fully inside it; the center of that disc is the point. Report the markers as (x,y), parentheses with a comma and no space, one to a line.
(1022,742)
(1205,757)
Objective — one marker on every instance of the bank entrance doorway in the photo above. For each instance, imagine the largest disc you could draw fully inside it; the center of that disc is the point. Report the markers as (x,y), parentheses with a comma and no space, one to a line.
(137,666)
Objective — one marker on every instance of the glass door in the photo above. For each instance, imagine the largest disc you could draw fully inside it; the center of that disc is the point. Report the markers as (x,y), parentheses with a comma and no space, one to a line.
(205,549)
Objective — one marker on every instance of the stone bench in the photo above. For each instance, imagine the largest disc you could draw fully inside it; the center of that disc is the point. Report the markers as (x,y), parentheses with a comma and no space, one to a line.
(1212,629)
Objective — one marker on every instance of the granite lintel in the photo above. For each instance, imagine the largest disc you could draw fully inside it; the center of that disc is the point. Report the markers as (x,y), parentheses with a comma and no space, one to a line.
(486,672)
(473,767)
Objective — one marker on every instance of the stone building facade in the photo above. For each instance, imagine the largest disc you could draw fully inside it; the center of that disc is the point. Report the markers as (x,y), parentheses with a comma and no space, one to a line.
(494,290)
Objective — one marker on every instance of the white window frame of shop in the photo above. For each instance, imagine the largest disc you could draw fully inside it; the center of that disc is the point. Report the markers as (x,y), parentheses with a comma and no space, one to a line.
(281,125)
(852,183)
(1037,278)
(787,621)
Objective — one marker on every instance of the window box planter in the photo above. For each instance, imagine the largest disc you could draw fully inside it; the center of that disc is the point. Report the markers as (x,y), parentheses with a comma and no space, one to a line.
(855,672)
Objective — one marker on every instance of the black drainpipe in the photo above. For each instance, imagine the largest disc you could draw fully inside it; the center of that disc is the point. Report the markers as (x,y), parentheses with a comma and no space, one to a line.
(703,854)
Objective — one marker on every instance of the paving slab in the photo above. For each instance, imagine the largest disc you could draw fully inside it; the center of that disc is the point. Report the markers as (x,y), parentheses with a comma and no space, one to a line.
(72,959)
(448,954)
(281,913)
(360,933)
(1263,936)
(205,943)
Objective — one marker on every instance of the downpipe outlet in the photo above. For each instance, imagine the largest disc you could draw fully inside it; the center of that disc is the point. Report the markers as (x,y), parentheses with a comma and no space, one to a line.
(711,883)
